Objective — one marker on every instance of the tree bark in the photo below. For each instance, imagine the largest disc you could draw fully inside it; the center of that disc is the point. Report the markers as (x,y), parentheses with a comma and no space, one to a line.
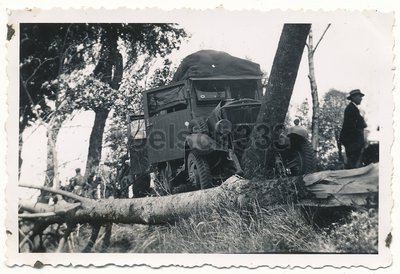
(95,142)
(314,93)
(279,90)
(54,127)
(109,70)
(52,179)
(357,187)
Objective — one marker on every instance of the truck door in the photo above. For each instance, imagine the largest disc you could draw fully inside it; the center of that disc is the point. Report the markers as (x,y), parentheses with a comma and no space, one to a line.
(167,110)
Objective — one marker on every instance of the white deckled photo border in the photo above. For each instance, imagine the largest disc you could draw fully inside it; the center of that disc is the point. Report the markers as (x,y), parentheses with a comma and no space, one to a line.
(385,116)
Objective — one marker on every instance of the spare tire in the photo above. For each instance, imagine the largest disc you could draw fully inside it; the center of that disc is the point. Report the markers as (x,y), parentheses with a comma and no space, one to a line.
(300,157)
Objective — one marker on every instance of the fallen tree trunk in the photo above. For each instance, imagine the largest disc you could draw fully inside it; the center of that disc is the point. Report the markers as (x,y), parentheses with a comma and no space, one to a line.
(358,187)
(234,193)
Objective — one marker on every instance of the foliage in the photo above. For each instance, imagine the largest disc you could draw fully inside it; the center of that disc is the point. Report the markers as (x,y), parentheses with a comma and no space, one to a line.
(331,119)
(302,113)
(359,233)
(54,53)
(330,122)
(141,43)
(46,51)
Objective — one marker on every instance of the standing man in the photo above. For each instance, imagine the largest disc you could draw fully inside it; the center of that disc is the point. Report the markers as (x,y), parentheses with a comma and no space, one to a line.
(78,182)
(352,134)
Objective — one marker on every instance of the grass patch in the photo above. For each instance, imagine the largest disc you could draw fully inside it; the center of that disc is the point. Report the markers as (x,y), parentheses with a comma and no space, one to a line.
(357,234)
(284,229)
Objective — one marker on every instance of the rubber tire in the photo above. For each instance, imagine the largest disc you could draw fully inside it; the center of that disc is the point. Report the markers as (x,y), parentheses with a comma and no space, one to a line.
(204,177)
(302,148)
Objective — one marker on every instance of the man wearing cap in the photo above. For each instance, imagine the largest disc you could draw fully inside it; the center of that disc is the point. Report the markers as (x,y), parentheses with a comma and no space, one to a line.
(352,134)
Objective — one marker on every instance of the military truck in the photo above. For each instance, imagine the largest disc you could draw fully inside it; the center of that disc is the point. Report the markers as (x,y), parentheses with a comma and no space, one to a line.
(198,127)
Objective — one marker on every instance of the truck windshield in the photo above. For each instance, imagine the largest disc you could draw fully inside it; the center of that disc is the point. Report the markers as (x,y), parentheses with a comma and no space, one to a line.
(216,90)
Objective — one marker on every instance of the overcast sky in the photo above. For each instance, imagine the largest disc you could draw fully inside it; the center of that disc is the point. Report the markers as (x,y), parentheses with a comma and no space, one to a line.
(356,52)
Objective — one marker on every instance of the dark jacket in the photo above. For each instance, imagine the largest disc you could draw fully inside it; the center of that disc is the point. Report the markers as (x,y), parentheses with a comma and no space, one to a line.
(353,126)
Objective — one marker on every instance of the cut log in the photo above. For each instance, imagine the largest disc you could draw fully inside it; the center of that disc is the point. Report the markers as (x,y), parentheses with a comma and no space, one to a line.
(352,187)
(357,187)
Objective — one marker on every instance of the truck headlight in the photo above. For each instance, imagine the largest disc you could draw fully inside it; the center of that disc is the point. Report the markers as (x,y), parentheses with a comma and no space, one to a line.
(223,127)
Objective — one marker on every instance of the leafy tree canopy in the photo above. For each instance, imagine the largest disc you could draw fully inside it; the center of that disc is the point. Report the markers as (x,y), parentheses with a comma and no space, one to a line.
(53,55)
(330,122)
(331,119)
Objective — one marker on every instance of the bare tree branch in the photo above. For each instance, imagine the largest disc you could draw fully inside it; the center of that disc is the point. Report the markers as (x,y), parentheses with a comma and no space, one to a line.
(26,238)
(320,39)
(36,215)
(38,67)
(64,210)
(62,52)
(56,191)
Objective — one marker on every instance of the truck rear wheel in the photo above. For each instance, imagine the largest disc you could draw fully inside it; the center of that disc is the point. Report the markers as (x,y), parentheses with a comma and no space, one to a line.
(199,171)
(300,158)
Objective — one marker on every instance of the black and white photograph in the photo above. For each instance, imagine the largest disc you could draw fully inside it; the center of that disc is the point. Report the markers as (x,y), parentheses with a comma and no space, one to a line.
(248,134)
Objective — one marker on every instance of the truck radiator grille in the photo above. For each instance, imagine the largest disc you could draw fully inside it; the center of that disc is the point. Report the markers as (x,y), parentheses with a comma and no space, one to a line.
(242,114)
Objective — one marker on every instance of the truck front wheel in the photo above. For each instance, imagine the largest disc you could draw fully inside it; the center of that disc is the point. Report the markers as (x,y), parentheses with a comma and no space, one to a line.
(199,171)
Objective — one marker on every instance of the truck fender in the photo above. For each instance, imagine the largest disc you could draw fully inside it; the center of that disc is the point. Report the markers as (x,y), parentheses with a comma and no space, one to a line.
(201,143)
(299,131)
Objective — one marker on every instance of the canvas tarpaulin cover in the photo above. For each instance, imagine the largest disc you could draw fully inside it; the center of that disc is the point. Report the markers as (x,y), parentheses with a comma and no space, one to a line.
(211,63)
(166,98)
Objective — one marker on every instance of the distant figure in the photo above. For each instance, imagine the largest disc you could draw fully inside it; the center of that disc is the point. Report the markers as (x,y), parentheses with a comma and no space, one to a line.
(77,182)
(91,187)
(352,134)
(299,129)
(124,178)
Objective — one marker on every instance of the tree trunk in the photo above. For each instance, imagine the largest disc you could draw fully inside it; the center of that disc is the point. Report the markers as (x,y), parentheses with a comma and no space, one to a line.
(340,150)
(52,179)
(109,70)
(314,93)
(52,161)
(95,142)
(357,187)
(279,90)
